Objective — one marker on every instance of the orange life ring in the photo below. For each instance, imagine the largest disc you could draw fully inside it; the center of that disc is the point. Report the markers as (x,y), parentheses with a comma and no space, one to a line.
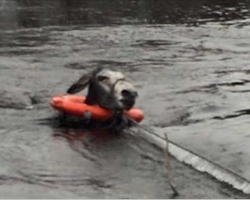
(74,105)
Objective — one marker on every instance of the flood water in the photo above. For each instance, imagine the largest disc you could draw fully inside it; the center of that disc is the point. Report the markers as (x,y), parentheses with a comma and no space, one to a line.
(188,59)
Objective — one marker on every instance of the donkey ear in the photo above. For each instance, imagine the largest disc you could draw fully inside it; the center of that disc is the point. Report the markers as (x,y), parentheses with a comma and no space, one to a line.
(80,85)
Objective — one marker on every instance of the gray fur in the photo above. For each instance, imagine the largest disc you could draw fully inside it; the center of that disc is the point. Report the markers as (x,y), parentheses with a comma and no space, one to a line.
(106,88)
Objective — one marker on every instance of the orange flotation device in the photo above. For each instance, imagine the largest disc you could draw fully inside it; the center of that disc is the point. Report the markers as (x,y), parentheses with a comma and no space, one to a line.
(74,105)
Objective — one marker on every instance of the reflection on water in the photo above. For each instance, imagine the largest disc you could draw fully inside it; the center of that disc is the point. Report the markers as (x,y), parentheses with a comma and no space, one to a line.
(35,13)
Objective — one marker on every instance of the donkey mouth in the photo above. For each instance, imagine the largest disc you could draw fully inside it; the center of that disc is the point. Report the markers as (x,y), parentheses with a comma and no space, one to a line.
(128,103)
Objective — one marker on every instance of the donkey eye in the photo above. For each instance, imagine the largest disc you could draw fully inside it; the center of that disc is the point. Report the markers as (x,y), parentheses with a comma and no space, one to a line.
(102,78)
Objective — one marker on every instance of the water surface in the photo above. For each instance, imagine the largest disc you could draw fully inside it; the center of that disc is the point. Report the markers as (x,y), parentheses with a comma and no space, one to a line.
(189,61)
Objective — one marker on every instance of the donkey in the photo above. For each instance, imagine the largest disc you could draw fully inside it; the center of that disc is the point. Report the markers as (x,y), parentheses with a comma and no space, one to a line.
(107,88)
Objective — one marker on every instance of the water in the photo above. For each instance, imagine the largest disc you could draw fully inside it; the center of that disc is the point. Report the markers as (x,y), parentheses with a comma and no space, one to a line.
(189,61)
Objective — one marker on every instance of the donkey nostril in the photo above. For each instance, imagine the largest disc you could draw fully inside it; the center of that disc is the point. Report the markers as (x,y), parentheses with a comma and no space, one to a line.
(125,93)
(129,93)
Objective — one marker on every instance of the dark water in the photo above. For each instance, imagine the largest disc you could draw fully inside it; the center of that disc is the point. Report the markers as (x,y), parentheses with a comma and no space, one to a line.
(35,13)
(189,60)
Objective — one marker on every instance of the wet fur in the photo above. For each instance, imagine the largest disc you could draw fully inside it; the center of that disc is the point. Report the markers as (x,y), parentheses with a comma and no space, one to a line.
(98,96)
